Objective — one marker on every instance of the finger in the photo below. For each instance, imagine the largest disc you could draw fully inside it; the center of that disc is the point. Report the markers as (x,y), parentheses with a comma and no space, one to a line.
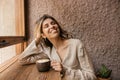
(55,63)
(56,66)
(58,69)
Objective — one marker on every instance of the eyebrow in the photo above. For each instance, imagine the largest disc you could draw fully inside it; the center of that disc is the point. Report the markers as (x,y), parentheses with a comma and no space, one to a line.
(50,22)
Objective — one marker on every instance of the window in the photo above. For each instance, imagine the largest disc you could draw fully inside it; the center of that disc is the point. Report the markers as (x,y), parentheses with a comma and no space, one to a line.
(12,27)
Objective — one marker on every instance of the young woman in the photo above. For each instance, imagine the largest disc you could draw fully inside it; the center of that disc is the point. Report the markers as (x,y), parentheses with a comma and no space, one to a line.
(67,55)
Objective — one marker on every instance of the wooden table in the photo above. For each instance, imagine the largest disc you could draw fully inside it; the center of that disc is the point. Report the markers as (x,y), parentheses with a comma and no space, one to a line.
(29,72)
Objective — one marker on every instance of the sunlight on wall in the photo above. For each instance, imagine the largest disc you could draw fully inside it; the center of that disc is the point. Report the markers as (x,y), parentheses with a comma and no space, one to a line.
(7,27)
(7,53)
(7,18)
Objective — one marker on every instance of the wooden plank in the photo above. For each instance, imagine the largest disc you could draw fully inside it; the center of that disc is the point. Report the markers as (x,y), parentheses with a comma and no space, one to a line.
(10,40)
(7,63)
(20,18)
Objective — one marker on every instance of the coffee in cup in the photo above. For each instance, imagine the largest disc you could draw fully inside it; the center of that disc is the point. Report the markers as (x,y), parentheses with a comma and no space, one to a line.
(43,65)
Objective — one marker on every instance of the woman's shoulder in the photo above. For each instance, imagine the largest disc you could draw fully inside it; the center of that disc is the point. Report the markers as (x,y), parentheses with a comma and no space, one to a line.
(75,40)
(76,43)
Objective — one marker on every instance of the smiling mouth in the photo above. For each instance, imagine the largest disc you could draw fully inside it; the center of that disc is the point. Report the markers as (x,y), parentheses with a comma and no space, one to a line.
(53,31)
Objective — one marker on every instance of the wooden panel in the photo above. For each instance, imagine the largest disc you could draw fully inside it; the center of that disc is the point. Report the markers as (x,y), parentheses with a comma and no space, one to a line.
(20,47)
(19,12)
(10,40)
(20,24)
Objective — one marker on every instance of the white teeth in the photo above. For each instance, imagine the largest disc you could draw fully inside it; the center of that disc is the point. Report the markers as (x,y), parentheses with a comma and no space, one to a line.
(53,30)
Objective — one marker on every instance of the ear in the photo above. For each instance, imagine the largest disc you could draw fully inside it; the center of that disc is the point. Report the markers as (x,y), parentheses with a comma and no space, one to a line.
(43,35)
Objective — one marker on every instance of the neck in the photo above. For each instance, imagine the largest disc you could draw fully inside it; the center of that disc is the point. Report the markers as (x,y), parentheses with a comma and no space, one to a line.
(57,42)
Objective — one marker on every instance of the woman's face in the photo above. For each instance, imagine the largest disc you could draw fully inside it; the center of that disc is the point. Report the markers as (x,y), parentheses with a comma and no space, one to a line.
(50,29)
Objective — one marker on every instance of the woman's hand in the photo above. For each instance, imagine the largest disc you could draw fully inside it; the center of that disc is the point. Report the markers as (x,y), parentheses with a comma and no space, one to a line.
(37,39)
(56,66)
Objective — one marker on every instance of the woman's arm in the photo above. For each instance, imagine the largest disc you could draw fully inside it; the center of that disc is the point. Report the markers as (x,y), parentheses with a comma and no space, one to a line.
(31,54)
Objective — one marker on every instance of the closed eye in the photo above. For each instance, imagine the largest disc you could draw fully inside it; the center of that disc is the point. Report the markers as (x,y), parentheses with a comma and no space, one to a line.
(53,23)
(46,26)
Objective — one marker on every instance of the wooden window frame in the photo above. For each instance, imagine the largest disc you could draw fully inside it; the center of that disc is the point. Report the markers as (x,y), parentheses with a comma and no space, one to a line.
(20,30)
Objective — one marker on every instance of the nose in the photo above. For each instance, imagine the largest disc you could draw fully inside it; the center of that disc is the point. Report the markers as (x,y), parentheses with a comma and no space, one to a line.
(52,27)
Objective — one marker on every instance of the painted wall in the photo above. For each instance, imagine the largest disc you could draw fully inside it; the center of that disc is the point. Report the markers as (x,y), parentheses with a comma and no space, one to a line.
(95,22)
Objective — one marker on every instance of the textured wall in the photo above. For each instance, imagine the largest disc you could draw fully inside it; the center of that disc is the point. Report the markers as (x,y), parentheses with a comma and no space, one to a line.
(95,22)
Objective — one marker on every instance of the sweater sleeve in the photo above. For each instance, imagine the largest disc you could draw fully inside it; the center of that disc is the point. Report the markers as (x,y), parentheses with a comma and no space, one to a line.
(86,71)
(31,54)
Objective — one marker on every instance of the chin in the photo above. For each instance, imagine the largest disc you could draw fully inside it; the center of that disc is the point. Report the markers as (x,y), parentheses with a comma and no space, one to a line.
(55,36)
